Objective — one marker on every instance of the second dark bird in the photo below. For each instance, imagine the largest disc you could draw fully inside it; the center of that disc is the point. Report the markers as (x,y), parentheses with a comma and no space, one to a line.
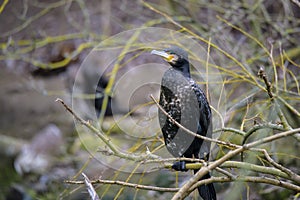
(182,98)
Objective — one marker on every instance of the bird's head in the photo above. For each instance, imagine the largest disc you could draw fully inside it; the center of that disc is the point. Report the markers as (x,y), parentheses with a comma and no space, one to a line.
(174,55)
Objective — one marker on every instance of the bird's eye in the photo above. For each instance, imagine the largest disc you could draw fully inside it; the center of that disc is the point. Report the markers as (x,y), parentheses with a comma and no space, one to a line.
(175,57)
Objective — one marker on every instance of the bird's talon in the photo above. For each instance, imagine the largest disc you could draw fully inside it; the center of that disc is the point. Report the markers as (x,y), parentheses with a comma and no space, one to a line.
(179,166)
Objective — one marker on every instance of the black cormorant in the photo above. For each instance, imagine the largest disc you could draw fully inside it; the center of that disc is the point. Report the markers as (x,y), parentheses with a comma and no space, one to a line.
(182,98)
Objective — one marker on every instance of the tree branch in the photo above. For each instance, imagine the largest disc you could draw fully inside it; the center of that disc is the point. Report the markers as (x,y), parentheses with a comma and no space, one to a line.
(132,185)
(184,190)
(252,179)
(106,140)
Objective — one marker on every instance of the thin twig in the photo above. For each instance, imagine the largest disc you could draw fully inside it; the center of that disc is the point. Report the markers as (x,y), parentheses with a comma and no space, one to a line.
(256,168)
(252,179)
(115,150)
(226,173)
(258,127)
(295,177)
(271,138)
(261,74)
(132,185)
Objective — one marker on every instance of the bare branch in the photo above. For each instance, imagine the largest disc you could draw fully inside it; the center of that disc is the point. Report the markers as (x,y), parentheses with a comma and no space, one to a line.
(132,185)
(252,179)
(106,140)
(184,190)
(90,188)
(262,74)
(293,176)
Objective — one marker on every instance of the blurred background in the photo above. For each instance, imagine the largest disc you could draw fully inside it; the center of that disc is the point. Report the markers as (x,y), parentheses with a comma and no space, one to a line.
(43,44)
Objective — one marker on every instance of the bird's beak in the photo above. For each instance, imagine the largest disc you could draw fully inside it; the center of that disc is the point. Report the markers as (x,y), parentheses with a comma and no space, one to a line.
(165,55)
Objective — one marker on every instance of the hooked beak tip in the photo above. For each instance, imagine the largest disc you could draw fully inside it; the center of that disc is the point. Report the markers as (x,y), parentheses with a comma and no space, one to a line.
(163,54)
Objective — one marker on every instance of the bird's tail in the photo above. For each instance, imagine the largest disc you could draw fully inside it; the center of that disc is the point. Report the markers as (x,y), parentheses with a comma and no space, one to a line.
(207,192)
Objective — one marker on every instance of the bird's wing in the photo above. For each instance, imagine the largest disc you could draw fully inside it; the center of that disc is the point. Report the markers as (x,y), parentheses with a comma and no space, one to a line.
(172,105)
(205,122)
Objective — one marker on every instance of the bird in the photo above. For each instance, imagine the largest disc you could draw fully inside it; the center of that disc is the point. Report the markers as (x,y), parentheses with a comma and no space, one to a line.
(184,101)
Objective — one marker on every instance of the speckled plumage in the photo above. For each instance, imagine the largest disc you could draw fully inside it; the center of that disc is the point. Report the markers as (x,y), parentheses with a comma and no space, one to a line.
(182,98)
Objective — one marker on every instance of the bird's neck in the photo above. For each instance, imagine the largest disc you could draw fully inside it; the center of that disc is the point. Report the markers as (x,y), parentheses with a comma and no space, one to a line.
(184,69)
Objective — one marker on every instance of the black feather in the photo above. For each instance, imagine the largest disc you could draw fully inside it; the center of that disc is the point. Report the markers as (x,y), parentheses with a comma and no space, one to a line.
(182,98)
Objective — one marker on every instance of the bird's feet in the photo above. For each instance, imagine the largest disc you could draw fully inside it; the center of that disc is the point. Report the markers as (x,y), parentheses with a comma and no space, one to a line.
(179,166)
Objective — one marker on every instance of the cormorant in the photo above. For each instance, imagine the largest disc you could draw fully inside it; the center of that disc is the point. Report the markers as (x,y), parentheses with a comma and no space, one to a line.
(182,98)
